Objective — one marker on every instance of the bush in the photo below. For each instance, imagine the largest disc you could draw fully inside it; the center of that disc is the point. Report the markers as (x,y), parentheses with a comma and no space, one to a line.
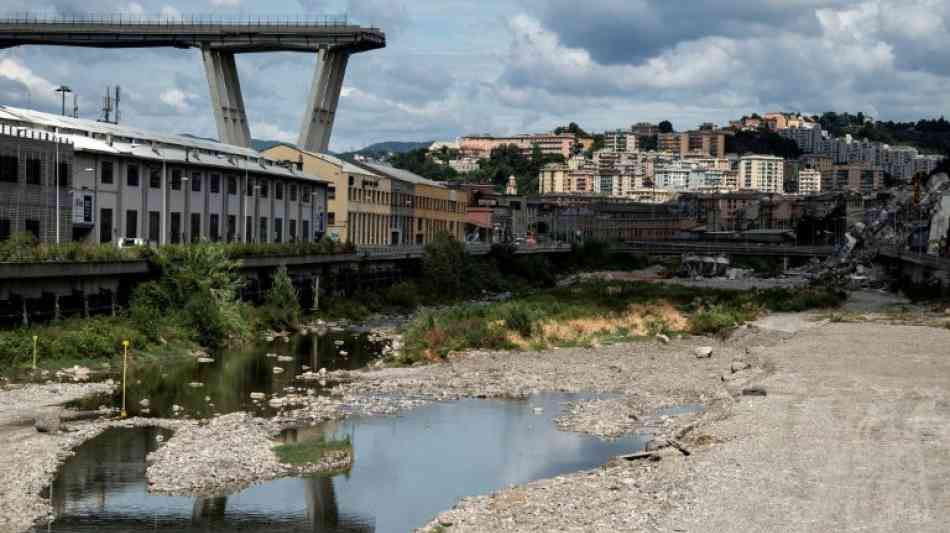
(713,320)
(282,303)
(443,266)
(519,320)
(403,295)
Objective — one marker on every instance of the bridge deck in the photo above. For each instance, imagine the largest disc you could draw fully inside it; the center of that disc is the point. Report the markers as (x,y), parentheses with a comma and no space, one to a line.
(236,37)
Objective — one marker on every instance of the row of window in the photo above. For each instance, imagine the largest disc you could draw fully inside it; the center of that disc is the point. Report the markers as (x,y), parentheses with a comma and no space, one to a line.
(214,232)
(33,170)
(373,196)
(197,180)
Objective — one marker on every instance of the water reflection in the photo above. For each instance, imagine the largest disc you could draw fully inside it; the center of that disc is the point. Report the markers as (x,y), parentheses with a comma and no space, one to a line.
(406,470)
(222,387)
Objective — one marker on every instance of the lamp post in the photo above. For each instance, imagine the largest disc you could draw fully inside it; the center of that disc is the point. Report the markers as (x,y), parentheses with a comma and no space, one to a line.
(63,89)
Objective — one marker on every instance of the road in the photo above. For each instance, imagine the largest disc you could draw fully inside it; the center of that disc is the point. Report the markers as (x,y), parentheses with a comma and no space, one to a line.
(854,435)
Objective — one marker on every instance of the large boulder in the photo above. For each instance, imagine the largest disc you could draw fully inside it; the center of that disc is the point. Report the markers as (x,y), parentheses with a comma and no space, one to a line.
(48,422)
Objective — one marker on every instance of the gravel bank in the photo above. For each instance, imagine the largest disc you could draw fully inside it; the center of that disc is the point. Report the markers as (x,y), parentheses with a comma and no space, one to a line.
(851,437)
(224,455)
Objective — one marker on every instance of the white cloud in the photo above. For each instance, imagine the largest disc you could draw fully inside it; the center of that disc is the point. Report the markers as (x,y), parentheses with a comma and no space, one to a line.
(169,12)
(225,3)
(39,88)
(177,99)
(268,131)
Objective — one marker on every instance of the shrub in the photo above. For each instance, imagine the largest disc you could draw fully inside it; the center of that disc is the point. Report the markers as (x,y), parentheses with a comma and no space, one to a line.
(713,320)
(403,295)
(519,320)
(282,303)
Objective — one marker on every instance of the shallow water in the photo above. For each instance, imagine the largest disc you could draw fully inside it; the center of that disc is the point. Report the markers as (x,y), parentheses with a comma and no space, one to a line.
(227,383)
(406,470)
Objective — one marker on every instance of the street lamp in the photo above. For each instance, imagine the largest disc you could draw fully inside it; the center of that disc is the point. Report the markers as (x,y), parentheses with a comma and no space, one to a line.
(63,89)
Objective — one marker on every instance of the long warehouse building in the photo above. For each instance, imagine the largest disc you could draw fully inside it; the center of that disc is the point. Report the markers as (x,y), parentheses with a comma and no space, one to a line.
(117,182)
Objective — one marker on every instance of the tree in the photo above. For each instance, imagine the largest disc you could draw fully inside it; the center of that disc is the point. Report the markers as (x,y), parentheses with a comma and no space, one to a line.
(665,127)
(421,162)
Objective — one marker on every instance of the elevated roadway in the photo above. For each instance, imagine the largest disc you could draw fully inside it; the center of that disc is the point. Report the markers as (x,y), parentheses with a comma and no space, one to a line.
(334,40)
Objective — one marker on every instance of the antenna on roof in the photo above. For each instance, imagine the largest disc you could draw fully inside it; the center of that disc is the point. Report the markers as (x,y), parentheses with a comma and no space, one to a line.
(109,104)
(117,89)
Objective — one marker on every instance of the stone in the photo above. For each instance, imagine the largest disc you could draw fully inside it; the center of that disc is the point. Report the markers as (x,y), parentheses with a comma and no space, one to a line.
(703,352)
(205,360)
(258,395)
(754,391)
(338,342)
(663,338)
(196,385)
(278,370)
(653,445)
(739,366)
(270,355)
(323,371)
(144,402)
(284,358)
(48,423)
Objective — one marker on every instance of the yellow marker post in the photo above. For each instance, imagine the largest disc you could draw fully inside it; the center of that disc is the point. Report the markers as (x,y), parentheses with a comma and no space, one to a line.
(125,367)
(35,338)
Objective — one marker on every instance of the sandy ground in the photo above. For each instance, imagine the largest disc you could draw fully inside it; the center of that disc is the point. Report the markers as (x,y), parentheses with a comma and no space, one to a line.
(853,436)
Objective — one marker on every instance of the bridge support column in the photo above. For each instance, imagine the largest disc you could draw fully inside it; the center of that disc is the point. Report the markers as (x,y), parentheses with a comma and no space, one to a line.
(226,98)
(785,264)
(324,96)
(316,293)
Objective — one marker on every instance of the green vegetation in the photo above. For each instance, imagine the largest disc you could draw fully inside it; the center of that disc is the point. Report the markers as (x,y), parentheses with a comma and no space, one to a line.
(762,141)
(281,307)
(596,312)
(24,248)
(310,452)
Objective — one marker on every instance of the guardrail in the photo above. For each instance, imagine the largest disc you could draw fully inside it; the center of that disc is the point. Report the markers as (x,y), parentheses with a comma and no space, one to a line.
(728,248)
(191,20)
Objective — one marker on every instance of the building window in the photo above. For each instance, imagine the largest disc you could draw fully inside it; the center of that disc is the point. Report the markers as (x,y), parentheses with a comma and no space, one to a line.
(196,182)
(305,236)
(293,230)
(154,226)
(176,180)
(331,218)
(293,192)
(250,188)
(176,228)
(278,230)
(215,183)
(278,191)
(305,192)
(131,223)
(155,178)
(34,171)
(248,229)
(132,176)
(232,185)
(232,227)
(351,180)
(105,225)
(9,168)
(263,187)
(107,178)
(33,227)
(195,227)
(64,174)
(331,193)
(263,232)
(4,229)
(213,227)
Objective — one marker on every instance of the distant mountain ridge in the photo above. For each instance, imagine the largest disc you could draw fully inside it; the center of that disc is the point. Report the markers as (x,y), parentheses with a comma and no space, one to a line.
(399,147)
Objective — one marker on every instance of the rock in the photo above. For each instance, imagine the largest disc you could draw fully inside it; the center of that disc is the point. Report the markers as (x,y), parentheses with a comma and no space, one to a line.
(48,423)
(344,353)
(284,358)
(663,338)
(653,445)
(538,410)
(177,409)
(739,366)
(703,352)
(258,396)
(159,439)
(278,370)
(196,385)
(144,402)
(323,371)
(754,391)
(338,342)
(270,355)
(205,360)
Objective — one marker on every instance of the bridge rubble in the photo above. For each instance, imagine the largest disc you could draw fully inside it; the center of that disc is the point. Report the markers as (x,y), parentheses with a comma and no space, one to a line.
(905,221)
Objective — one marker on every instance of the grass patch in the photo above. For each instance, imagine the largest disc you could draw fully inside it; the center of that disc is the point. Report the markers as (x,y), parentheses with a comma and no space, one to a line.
(597,312)
(310,452)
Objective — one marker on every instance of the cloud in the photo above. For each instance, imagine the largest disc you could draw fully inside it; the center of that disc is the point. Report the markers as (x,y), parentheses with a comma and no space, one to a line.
(169,12)
(177,99)
(225,3)
(22,80)
(266,130)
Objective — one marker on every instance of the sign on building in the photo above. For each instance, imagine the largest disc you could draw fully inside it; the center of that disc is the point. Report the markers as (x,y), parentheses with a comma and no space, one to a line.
(84,207)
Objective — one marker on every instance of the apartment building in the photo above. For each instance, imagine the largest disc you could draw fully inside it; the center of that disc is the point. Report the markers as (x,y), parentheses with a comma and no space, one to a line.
(703,142)
(807,139)
(564,144)
(809,181)
(620,142)
(761,173)
(124,182)
(859,177)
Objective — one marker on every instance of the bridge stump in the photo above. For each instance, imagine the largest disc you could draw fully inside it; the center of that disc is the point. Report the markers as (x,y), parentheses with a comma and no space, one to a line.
(56,311)
(315,283)
(26,314)
(112,302)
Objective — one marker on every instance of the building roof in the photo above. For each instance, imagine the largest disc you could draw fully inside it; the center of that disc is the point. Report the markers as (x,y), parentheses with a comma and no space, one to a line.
(345,166)
(106,138)
(400,174)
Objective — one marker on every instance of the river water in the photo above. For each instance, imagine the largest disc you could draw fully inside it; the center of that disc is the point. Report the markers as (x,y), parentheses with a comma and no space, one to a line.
(406,470)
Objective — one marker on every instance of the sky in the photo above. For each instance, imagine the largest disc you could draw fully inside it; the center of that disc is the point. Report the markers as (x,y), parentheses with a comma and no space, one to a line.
(456,67)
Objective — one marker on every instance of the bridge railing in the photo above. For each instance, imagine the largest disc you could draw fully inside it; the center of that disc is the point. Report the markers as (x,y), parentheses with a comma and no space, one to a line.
(190,20)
